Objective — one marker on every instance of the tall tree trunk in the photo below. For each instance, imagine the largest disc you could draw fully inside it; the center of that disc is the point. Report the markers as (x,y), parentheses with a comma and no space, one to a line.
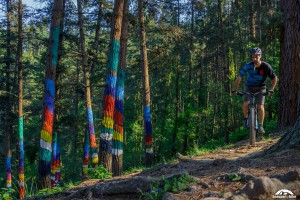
(118,136)
(46,133)
(8,118)
(146,88)
(20,70)
(55,168)
(93,52)
(88,99)
(76,102)
(289,106)
(258,32)
(176,100)
(105,153)
(190,92)
(225,71)
(252,18)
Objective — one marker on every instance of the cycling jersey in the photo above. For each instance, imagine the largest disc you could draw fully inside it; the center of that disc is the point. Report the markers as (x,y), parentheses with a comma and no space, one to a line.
(257,77)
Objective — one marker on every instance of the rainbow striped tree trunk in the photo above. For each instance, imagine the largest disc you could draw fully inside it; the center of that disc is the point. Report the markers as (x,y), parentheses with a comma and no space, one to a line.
(107,129)
(46,133)
(146,87)
(8,124)
(85,156)
(118,136)
(55,168)
(20,70)
(89,111)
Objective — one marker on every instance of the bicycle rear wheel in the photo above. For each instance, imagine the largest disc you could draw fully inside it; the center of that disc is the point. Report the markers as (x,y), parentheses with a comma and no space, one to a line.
(252,126)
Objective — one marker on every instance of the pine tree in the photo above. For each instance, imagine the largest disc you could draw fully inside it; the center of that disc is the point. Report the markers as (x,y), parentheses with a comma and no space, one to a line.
(49,99)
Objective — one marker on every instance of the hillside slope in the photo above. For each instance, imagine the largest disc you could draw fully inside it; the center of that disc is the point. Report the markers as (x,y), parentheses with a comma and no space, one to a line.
(239,172)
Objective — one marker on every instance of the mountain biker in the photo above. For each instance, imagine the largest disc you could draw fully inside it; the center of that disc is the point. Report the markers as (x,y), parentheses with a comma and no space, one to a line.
(258,71)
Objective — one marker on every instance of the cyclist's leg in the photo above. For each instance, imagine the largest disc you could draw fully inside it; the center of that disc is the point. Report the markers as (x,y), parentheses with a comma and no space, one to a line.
(246,101)
(245,109)
(260,100)
(261,111)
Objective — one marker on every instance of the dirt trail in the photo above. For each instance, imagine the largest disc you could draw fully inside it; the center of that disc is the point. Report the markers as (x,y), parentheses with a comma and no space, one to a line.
(211,171)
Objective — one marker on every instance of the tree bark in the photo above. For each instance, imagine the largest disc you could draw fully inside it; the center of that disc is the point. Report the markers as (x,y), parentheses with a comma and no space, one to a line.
(252,19)
(105,152)
(190,82)
(146,87)
(258,32)
(46,133)
(88,99)
(20,71)
(8,114)
(55,167)
(92,53)
(118,136)
(289,99)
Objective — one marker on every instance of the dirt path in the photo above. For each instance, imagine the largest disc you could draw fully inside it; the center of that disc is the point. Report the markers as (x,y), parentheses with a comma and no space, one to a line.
(211,171)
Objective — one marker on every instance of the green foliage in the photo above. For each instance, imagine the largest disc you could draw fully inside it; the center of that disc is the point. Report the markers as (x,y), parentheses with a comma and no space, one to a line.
(6,194)
(53,190)
(234,177)
(157,191)
(232,71)
(99,172)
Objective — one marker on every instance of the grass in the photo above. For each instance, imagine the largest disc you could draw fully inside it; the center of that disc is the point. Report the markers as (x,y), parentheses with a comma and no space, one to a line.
(235,136)
(175,185)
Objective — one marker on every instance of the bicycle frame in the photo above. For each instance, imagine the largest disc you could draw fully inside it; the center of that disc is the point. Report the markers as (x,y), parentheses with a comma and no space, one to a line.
(252,115)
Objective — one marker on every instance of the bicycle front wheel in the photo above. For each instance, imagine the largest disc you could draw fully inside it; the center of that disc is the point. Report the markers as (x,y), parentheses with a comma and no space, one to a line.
(252,127)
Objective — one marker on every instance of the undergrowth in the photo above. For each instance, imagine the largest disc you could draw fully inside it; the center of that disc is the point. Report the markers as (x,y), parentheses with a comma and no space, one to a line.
(175,185)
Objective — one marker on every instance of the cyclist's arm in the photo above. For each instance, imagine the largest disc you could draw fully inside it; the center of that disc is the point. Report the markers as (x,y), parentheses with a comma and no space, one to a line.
(274,82)
(237,83)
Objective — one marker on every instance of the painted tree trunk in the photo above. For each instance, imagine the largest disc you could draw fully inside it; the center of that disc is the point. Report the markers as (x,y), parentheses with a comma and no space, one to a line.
(49,100)
(146,87)
(118,136)
(89,110)
(20,70)
(8,125)
(55,167)
(107,128)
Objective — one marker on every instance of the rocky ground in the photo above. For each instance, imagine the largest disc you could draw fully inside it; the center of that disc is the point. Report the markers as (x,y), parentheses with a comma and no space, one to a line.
(239,172)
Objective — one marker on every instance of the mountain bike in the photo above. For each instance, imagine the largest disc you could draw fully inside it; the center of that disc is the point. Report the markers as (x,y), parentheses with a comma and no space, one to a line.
(252,114)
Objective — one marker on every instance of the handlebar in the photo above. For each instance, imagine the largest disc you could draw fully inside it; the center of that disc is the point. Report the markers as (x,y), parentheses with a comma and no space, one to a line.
(252,94)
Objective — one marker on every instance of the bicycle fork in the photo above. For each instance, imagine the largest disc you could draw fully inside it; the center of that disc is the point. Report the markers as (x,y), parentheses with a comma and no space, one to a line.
(253,125)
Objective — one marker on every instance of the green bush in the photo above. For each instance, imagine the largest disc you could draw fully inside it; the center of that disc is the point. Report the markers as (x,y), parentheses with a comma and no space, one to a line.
(98,173)
(157,191)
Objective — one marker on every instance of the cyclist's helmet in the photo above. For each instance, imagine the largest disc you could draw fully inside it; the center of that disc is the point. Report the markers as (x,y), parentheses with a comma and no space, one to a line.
(255,50)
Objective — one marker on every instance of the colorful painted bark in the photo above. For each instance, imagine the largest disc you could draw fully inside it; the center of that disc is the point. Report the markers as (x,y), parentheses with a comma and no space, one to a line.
(55,168)
(8,172)
(118,135)
(20,96)
(86,156)
(49,99)
(146,87)
(89,111)
(107,128)
(21,160)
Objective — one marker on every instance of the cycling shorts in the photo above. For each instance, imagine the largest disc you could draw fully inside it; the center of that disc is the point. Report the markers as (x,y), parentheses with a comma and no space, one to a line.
(259,99)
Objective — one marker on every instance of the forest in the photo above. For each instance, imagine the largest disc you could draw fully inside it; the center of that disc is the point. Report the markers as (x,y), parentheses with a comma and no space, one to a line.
(105,87)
